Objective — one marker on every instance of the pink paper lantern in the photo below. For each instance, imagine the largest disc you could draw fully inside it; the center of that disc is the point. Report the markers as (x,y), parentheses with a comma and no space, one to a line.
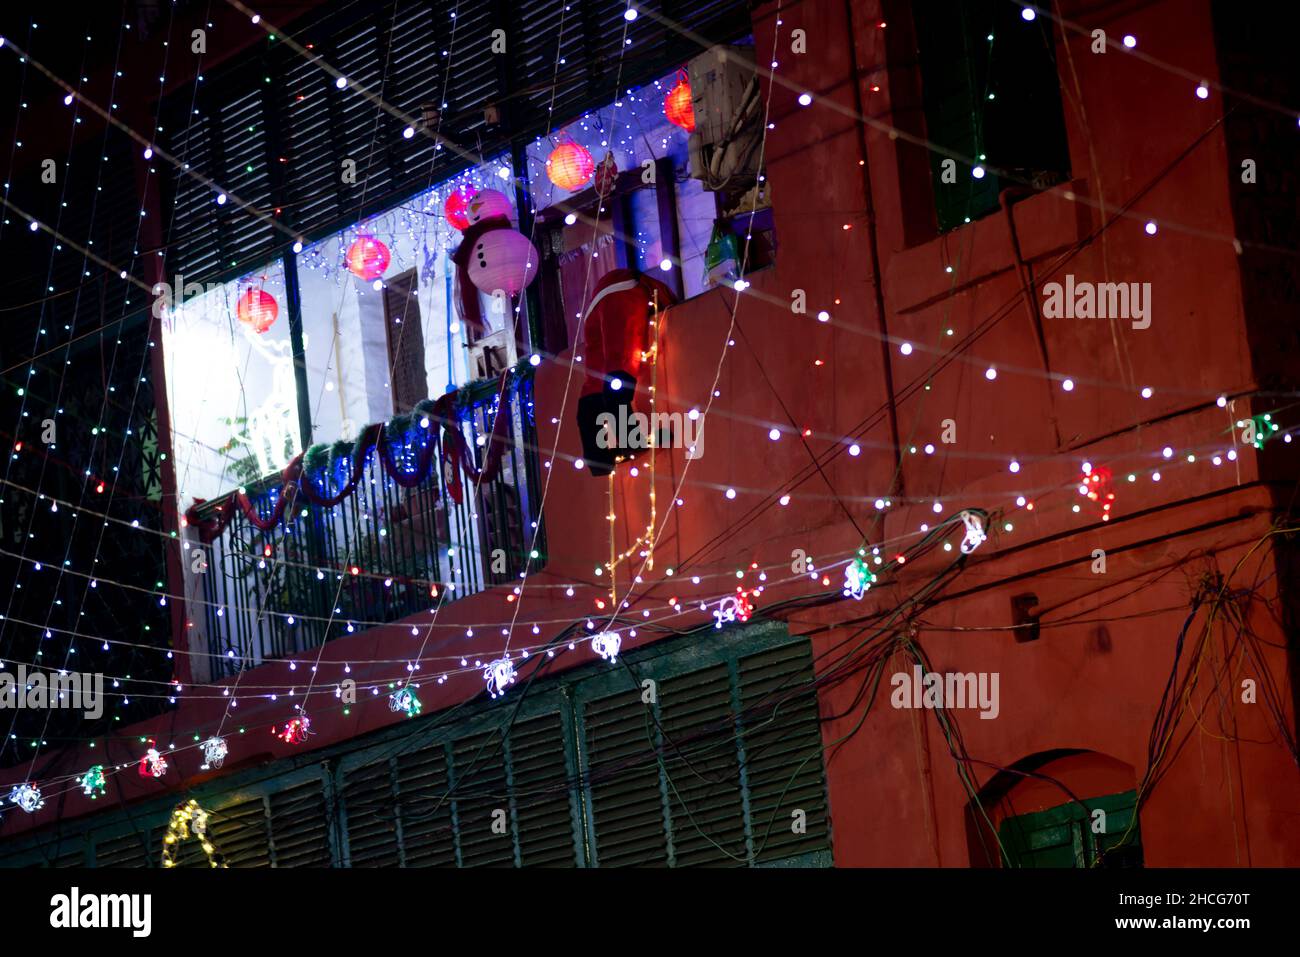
(486,204)
(503,259)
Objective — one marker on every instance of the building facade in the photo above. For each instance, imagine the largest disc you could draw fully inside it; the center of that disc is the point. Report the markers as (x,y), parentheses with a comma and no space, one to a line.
(981,551)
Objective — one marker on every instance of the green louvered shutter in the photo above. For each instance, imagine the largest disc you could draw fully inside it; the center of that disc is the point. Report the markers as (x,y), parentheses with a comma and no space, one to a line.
(627,800)
(299,833)
(543,792)
(371,816)
(425,808)
(479,773)
(783,752)
(239,830)
(702,769)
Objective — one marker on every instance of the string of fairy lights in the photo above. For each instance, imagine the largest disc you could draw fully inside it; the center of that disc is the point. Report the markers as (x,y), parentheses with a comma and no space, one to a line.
(137,379)
(857,575)
(1212,455)
(22,393)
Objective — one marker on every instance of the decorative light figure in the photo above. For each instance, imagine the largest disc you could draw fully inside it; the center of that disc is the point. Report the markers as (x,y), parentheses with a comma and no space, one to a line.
(857,579)
(606,644)
(92,782)
(189,818)
(1097,487)
(295,731)
(153,764)
(733,608)
(405,701)
(975,534)
(27,796)
(214,752)
(499,673)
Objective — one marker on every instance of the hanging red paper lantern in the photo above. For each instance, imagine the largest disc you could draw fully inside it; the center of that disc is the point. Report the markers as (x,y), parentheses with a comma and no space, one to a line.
(570,166)
(457,202)
(677,104)
(257,309)
(368,257)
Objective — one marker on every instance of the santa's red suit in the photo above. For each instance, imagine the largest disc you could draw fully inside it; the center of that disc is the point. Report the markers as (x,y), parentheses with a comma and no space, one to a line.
(616,334)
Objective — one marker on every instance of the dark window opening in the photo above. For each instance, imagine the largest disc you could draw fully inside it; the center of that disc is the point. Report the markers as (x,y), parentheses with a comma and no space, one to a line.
(992,96)
(405,343)
(1097,832)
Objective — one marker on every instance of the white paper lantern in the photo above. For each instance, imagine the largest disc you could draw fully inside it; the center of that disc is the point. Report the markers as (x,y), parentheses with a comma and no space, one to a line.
(488,203)
(503,259)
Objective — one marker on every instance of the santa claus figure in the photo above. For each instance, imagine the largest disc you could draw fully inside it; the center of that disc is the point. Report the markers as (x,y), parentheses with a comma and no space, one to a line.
(616,340)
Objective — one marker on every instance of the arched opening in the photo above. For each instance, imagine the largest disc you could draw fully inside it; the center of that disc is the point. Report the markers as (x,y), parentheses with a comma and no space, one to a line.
(1061,808)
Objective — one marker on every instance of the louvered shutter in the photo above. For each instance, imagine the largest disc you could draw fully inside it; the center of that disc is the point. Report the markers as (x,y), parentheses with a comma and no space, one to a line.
(425,807)
(247,231)
(702,769)
(479,773)
(783,751)
(239,830)
(474,75)
(299,835)
(194,249)
(543,792)
(135,849)
(362,128)
(545,29)
(312,172)
(626,799)
(416,71)
(73,857)
(371,816)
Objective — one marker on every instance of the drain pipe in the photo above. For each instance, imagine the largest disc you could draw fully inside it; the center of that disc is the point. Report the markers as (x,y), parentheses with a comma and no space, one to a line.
(870,212)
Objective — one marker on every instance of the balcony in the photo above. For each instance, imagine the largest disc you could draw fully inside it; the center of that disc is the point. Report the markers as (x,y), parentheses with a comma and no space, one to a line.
(346,540)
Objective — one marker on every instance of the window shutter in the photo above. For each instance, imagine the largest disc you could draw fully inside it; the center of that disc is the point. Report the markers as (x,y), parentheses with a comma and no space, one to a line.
(1062,836)
(299,836)
(239,830)
(474,77)
(479,773)
(416,68)
(193,232)
(362,127)
(627,802)
(702,769)
(313,175)
(248,236)
(425,808)
(130,850)
(783,752)
(543,792)
(371,816)
(542,25)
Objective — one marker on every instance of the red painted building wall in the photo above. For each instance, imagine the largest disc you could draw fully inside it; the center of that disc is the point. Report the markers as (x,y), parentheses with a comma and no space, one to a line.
(851,197)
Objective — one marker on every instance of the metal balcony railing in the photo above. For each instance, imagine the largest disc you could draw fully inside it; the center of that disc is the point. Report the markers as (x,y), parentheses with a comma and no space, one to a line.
(388,550)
